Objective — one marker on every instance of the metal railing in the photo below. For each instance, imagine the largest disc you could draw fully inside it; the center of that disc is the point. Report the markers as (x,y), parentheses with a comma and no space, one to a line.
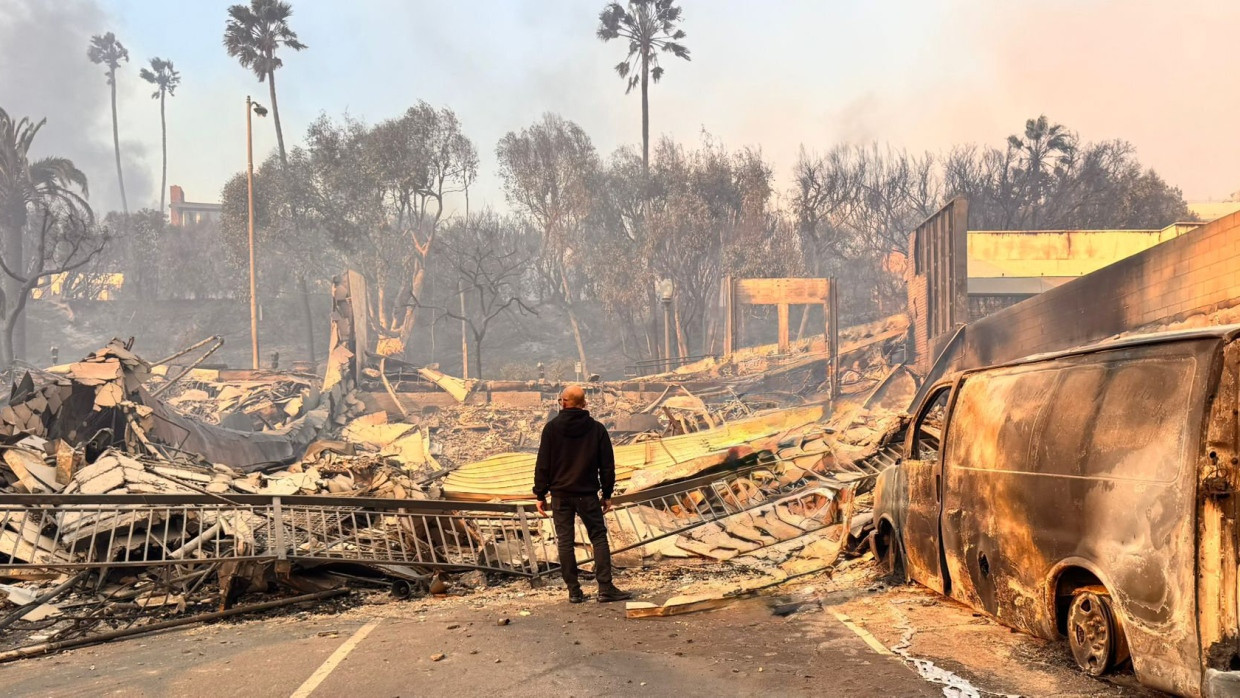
(45,531)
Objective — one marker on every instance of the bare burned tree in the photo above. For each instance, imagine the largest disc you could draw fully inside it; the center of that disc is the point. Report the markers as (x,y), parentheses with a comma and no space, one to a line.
(549,170)
(26,185)
(490,257)
(64,239)
(854,209)
(413,163)
(701,214)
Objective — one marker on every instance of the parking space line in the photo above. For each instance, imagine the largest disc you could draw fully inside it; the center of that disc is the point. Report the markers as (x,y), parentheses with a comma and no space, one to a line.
(338,656)
(862,633)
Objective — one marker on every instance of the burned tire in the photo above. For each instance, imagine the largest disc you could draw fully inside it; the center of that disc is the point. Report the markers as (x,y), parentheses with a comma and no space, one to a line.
(1094,633)
(886,550)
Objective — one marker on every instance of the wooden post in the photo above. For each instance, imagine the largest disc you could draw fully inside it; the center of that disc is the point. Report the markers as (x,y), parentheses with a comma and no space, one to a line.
(783,328)
(729,317)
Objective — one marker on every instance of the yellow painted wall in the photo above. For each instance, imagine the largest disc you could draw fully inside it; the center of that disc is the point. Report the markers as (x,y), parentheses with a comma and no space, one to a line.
(1059,253)
(1210,210)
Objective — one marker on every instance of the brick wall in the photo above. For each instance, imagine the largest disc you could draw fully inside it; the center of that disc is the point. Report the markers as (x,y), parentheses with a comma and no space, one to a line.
(1198,272)
(937,281)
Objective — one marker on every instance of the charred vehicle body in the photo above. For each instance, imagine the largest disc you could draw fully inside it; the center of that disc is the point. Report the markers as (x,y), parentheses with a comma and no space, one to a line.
(1087,495)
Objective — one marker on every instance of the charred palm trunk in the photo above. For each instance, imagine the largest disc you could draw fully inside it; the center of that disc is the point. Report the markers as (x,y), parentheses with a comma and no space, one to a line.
(163,129)
(116,147)
(645,115)
(275,115)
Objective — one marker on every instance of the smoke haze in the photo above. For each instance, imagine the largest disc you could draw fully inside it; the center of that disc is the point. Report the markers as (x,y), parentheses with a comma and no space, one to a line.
(919,75)
(44,72)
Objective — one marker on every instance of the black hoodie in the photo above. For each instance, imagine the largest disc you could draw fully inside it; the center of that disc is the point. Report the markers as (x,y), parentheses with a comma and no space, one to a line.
(574,457)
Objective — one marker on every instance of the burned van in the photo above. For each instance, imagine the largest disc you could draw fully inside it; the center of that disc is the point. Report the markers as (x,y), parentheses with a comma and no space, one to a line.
(1087,495)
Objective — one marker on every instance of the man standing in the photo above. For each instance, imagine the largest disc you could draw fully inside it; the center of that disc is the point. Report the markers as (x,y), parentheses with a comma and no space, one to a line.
(575,461)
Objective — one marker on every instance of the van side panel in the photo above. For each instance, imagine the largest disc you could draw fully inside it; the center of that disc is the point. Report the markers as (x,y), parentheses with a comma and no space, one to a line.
(1085,461)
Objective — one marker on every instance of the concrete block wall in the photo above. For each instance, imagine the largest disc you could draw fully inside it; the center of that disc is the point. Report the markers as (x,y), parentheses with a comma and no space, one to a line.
(1198,272)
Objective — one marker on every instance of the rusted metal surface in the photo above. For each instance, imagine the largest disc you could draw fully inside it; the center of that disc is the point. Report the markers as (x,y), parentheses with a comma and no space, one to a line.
(1109,469)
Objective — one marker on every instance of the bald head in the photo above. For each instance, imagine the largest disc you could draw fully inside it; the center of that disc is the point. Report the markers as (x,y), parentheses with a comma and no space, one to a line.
(573,397)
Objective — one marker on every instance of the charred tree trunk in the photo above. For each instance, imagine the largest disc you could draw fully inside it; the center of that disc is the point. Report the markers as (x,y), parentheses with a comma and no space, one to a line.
(682,343)
(476,357)
(15,323)
(572,319)
(804,322)
(14,346)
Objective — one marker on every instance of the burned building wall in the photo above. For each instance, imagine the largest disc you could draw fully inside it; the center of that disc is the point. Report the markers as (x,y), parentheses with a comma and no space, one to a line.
(938,300)
(1195,273)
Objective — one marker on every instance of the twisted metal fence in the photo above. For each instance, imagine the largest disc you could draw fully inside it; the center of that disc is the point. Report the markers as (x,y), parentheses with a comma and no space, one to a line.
(73,532)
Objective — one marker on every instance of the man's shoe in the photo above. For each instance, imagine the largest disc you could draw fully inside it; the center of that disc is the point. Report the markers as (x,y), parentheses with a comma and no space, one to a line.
(575,596)
(611,593)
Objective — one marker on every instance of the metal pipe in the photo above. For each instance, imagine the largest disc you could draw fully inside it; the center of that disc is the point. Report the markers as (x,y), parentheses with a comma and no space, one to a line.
(187,350)
(195,543)
(45,647)
(219,342)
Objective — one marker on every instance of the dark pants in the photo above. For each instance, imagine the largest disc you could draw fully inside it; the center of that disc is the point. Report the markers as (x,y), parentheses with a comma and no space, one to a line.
(590,509)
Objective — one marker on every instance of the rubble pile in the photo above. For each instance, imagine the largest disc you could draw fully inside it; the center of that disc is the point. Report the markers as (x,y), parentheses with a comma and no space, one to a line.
(133,496)
(264,401)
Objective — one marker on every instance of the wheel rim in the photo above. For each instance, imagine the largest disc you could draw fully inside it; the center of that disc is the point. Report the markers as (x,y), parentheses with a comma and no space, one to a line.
(1092,633)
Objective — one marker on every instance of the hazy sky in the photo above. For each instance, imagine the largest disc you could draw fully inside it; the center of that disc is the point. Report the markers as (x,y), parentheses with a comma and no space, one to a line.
(920,74)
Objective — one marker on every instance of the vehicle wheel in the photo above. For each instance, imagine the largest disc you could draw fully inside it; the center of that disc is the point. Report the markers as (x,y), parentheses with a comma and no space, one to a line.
(886,550)
(1094,633)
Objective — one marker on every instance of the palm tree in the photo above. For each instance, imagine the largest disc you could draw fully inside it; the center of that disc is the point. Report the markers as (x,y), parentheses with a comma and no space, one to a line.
(107,50)
(1044,153)
(650,27)
(165,78)
(252,36)
(25,186)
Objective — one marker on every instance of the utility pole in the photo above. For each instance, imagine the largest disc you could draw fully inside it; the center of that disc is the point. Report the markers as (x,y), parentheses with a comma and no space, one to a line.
(255,108)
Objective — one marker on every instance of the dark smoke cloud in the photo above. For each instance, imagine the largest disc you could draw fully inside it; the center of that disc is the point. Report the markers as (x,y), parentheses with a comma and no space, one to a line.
(44,72)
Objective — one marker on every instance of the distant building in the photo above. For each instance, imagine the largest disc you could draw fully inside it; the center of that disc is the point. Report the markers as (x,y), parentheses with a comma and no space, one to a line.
(183,213)
(1213,210)
(1008,266)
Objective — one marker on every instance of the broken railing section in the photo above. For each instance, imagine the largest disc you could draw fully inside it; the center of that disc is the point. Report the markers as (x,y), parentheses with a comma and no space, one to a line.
(118,563)
(49,531)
